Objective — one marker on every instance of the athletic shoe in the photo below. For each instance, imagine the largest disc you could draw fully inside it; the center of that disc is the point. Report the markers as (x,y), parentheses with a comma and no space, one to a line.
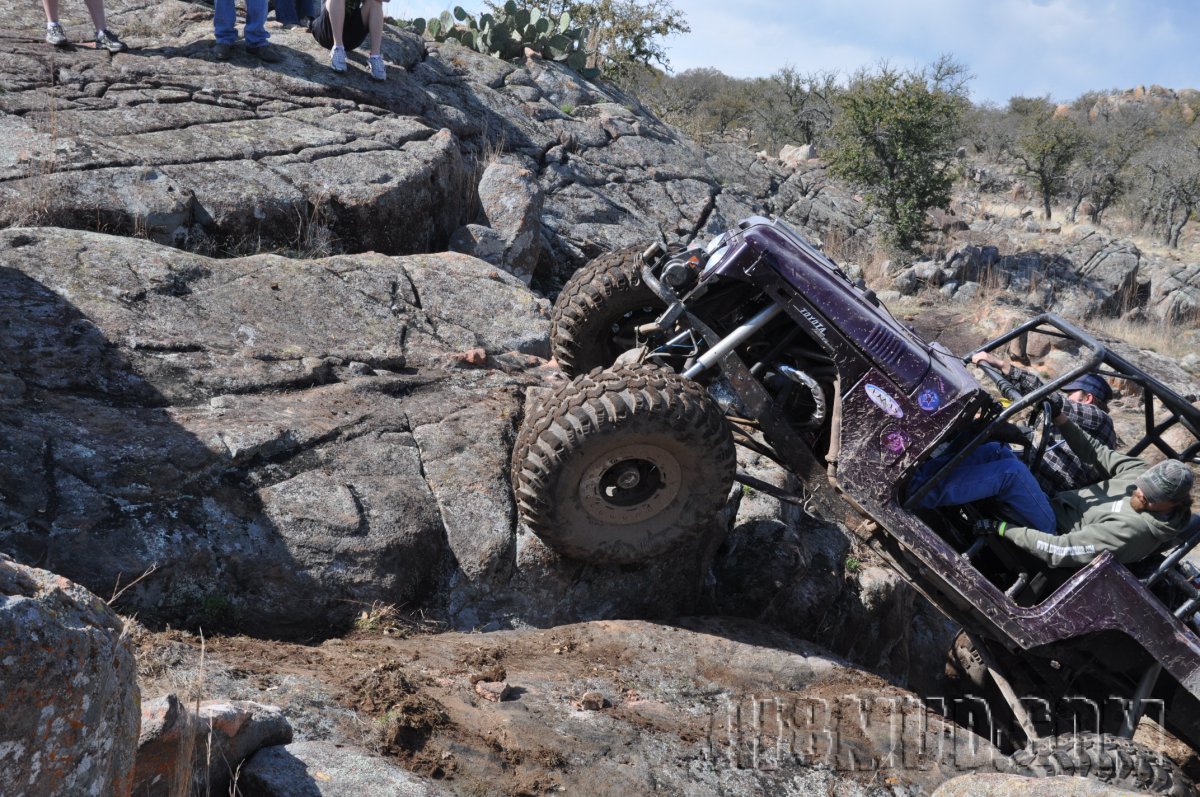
(107,40)
(337,59)
(222,51)
(56,36)
(266,53)
(377,70)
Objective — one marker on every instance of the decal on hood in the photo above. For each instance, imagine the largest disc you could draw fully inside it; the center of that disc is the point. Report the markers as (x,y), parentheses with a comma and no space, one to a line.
(884,401)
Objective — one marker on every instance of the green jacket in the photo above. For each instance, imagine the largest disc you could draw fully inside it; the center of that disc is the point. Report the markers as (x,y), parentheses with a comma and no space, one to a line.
(1098,517)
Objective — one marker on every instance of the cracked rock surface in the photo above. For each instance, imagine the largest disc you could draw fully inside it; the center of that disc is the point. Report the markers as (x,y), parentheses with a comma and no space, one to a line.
(167,143)
(280,443)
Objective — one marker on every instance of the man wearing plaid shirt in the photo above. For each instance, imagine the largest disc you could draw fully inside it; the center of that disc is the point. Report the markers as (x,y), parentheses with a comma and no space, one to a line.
(1086,406)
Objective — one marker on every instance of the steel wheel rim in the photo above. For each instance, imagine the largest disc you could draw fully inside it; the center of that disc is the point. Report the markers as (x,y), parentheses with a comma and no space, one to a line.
(630,484)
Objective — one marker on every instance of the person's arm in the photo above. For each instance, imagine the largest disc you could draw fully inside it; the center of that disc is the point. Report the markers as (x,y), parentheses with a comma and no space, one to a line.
(1083,545)
(1022,380)
(1092,452)
(1093,420)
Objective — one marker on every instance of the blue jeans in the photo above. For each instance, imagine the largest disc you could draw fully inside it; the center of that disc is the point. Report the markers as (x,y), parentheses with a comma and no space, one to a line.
(990,471)
(225,22)
(289,11)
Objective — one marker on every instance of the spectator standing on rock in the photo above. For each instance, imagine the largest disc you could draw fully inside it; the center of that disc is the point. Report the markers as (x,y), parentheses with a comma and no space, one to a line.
(1086,406)
(225,30)
(345,24)
(105,38)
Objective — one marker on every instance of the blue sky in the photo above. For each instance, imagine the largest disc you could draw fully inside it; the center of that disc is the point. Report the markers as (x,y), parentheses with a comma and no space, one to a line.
(1033,48)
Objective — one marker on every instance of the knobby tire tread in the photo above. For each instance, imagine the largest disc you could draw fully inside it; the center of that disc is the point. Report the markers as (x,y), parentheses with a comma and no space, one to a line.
(1122,763)
(596,296)
(590,406)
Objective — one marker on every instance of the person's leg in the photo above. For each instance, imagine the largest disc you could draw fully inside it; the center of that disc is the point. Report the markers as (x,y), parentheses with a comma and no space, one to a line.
(286,13)
(372,22)
(96,10)
(335,12)
(54,31)
(105,38)
(337,21)
(256,20)
(992,471)
(225,22)
(372,14)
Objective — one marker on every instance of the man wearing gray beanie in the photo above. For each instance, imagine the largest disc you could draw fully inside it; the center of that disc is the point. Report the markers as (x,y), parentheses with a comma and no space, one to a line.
(1133,511)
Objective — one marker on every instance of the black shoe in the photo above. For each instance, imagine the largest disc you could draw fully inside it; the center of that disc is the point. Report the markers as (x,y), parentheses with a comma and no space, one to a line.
(222,52)
(266,53)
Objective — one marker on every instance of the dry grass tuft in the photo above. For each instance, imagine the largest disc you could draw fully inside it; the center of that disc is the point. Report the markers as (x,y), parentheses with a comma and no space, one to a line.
(387,619)
(1166,337)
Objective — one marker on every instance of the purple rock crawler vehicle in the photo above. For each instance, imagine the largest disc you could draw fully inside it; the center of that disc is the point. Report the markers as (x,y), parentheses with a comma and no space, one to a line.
(760,340)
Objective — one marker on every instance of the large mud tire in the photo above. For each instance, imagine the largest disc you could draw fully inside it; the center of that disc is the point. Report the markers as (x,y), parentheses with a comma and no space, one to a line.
(617,467)
(1121,763)
(595,315)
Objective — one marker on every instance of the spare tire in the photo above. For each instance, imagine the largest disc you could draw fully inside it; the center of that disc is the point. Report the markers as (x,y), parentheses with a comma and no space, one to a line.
(598,310)
(1122,763)
(620,466)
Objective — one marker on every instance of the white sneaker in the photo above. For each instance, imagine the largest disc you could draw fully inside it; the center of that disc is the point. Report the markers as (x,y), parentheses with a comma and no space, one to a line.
(337,59)
(55,35)
(378,72)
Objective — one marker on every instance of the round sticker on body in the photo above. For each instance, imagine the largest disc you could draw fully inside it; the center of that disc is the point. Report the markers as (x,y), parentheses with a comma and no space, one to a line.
(929,400)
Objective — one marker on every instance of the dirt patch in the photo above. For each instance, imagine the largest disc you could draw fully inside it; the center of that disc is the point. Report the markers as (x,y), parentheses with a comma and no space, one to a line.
(680,708)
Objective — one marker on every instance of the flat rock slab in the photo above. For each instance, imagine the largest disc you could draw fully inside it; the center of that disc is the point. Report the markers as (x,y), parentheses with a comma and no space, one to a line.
(324,769)
(999,785)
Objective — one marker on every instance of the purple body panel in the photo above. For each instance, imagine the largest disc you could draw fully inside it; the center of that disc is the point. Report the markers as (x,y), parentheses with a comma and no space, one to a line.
(900,397)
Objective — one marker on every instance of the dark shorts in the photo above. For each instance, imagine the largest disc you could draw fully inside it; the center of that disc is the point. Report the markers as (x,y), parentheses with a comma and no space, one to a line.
(354,31)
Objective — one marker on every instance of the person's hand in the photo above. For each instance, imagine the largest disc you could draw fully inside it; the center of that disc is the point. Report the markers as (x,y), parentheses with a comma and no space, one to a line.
(989,528)
(1055,400)
(985,357)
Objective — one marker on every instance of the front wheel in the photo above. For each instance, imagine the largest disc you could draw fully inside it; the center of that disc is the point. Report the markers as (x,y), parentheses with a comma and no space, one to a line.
(620,466)
(596,316)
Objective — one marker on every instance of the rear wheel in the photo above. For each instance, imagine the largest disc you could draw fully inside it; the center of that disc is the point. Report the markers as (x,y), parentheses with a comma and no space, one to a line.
(1122,763)
(598,311)
(619,466)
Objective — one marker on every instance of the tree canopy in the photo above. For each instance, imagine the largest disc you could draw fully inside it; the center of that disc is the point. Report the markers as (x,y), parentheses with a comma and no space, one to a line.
(895,135)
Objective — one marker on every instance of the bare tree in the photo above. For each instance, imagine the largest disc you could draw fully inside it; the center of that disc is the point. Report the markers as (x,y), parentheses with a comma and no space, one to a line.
(1112,135)
(992,131)
(1169,190)
(1048,145)
(803,106)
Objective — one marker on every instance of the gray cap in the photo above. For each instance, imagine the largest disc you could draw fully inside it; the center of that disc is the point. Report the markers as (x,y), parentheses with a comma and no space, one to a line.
(1169,480)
